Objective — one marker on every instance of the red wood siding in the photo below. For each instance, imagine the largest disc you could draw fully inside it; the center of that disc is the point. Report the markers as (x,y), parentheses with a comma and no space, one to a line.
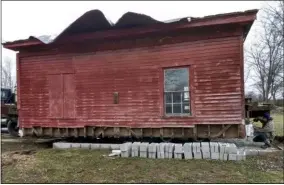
(135,73)
(69,96)
(55,96)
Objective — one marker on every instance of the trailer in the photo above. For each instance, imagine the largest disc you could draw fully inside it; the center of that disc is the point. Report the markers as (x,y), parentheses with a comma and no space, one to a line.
(140,77)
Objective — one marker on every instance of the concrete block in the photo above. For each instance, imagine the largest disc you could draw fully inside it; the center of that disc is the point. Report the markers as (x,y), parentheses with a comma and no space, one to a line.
(169,150)
(187,149)
(135,149)
(86,146)
(61,145)
(241,154)
(161,151)
(143,149)
(115,146)
(134,153)
(241,157)
(152,150)
(105,146)
(144,146)
(152,147)
(188,155)
(196,147)
(222,147)
(75,145)
(263,152)
(178,148)
(143,154)
(178,155)
(214,147)
(205,147)
(251,152)
(205,155)
(125,149)
(223,156)
(197,155)
(231,149)
(95,146)
(232,157)
(215,156)
(152,155)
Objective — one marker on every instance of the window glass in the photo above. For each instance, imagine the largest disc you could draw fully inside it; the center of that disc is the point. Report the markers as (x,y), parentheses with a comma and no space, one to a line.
(176,91)
(176,79)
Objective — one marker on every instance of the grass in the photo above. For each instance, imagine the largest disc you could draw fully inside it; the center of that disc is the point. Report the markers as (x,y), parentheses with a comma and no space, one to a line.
(278,124)
(84,166)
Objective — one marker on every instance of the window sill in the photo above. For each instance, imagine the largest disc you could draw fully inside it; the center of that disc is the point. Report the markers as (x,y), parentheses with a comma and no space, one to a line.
(177,116)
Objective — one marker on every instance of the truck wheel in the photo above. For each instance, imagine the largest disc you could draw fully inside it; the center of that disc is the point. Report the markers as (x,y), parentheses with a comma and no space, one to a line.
(12,128)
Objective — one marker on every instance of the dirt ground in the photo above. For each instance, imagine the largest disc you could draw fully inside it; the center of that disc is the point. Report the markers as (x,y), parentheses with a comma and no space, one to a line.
(38,163)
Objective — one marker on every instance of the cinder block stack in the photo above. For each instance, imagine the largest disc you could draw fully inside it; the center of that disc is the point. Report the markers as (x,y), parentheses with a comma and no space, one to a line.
(144,149)
(205,150)
(196,150)
(125,149)
(105,146)
(75,145)
(232,151)
(135,149)
(223,155)
(85,145)
(152,150)
(95,146)
(169,150)
(214,150)
(61,145)
(241,155)
(178,151)
(161,151)
(187,148)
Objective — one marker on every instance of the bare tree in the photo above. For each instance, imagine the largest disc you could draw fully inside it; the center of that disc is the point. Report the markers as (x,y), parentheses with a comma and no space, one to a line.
(6,73)
(265,56)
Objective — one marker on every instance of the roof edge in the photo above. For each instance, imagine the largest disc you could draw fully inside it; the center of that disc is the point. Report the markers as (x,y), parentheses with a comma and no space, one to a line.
(247,17)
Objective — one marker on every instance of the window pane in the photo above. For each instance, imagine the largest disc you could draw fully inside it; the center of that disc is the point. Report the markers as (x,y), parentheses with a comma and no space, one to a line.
(176,79)
(177,108)
(177,97)
(185,108)
(168,108)
(168,97)
(186,96)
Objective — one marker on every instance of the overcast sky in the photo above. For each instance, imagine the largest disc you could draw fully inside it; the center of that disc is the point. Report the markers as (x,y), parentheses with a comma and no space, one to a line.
(23,19)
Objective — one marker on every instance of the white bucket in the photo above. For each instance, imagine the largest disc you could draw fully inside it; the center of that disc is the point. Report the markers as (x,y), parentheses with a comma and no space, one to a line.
(249,130)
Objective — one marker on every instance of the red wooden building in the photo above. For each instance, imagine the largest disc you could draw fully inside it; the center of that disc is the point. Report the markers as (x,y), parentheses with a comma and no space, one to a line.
(139,77)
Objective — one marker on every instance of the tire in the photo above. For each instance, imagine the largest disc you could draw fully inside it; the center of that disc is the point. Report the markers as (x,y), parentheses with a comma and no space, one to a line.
(12,128)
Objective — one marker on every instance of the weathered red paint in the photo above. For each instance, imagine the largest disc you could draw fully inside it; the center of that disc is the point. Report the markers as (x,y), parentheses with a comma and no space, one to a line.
(72,85)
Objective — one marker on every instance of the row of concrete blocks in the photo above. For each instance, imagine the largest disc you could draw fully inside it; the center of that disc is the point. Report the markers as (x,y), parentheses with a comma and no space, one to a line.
(221,151)
(189,151)
(93,146)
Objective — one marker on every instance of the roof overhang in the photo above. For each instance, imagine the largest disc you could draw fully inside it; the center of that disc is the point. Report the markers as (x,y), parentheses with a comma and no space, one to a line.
(94,25)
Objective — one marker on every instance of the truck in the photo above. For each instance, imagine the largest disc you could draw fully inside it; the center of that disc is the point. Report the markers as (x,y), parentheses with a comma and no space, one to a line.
(9,113)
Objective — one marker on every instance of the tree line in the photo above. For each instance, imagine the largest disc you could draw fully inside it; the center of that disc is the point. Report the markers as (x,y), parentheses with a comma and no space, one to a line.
(265,56)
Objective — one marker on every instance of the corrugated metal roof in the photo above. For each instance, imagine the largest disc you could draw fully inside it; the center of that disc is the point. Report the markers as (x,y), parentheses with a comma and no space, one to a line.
(95,20)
